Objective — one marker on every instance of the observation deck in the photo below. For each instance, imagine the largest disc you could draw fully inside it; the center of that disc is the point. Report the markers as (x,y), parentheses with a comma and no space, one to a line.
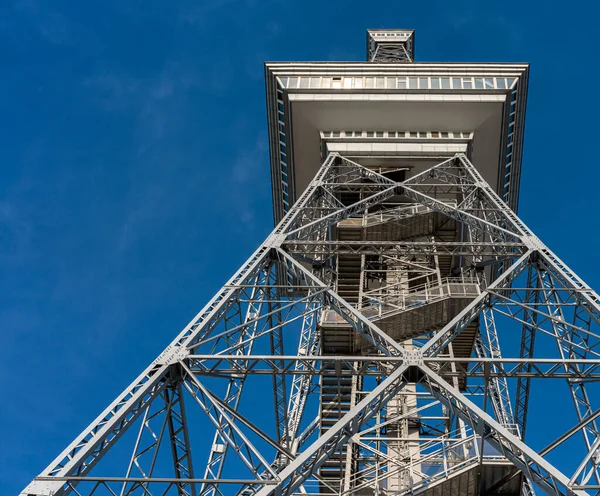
(405,114)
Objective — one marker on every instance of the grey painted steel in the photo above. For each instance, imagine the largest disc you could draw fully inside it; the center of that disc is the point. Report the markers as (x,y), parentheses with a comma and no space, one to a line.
(185,366)
(375,312)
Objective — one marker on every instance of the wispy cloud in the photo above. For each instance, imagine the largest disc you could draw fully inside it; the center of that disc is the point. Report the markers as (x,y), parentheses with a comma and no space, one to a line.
(157,101)
(17,227)
(13,224)
(115,90)
(249,169)
(250,161)
(50,24)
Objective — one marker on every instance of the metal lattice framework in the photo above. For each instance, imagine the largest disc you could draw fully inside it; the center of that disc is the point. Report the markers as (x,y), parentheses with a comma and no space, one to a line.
(287,376)
(391,52)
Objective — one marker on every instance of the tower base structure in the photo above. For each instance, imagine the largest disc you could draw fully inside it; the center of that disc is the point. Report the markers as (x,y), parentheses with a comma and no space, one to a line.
(389,415)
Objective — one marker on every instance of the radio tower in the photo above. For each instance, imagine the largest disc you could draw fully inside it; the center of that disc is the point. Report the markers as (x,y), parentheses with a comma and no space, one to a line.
(357,351)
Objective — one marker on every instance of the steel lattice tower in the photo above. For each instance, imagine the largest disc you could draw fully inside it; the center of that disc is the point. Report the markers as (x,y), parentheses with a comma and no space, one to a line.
(357,351)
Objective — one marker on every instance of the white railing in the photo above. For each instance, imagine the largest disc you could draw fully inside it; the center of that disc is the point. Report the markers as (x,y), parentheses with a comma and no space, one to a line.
(393,299)
(389,212)
(396,298)
(429,461)
(398,212)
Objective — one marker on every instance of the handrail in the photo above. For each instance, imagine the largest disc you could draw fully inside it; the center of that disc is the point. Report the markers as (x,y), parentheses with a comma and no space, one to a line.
(428,286)
(381,304)
(396,212)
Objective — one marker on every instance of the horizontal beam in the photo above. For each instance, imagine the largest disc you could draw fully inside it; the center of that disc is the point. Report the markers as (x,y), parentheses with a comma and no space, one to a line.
(163,480)
(406,248)
(542,368)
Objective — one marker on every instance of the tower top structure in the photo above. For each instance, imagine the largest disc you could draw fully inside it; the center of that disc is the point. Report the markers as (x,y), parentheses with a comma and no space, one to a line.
(391,45)
(392,112)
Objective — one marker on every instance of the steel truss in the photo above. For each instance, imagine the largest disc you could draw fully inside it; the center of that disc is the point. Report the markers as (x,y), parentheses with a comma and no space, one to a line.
(391,52)
(255,363)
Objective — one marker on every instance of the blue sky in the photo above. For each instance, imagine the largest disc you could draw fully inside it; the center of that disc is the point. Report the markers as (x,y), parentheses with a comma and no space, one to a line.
(134,174)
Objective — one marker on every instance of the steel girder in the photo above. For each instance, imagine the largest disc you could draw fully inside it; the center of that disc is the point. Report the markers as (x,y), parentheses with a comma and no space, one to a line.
(283,295)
